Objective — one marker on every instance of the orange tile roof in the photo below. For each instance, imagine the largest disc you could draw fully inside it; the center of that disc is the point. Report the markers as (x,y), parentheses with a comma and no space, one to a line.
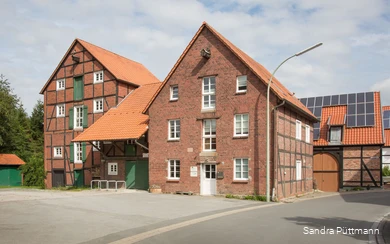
(262,73)
(10,159)
(126,121)
(385,108)
(121,68)
(370,135)
(337,118)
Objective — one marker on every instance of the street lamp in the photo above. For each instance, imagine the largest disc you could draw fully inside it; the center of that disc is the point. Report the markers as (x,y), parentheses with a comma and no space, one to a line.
(268,118)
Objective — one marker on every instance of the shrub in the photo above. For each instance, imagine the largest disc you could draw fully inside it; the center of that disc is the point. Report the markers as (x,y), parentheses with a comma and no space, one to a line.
(34,172)
(386,171)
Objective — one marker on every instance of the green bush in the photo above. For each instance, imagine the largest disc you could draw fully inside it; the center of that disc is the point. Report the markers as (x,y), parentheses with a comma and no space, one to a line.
(386,171)
(34,172)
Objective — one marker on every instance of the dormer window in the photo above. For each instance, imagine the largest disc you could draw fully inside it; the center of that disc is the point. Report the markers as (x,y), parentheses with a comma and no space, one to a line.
(335,134)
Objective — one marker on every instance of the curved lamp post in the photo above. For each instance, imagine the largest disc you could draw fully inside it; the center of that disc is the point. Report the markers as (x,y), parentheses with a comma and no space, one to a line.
(268,118)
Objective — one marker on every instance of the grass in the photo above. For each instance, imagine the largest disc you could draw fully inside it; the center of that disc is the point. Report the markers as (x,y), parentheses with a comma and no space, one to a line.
(21,187)
(248,197)
(71,188)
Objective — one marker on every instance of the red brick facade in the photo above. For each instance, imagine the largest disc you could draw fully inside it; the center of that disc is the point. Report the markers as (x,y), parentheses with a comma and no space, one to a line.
(225,66)
(57,132)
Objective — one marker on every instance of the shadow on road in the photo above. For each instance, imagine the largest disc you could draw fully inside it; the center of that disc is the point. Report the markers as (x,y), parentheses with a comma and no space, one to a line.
(336,224)
(376,198)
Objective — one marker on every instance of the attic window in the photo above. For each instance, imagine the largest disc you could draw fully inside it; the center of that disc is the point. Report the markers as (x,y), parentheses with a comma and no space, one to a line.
(98,77)
(335,134)
(60,84)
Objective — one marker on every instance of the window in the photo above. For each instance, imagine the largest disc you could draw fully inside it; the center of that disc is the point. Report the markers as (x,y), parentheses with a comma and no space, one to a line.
(78,152)
(335,134)
(61,110)
(208,93)
(298,170)
(112,168)
(58,152)
(209,135)
(174,169)
(60,84)
(241,83)
(241,124)
(241,169)
(97,144)
(78,117)
(298,133)
(174,129)
(98,77)
(307,131)
(174,92)
(98,105)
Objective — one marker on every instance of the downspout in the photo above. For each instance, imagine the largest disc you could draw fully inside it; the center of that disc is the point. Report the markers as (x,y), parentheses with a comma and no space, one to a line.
(139,144)
(276,147)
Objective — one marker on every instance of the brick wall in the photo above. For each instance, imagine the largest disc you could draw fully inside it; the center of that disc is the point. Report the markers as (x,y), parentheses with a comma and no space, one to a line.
(225,66)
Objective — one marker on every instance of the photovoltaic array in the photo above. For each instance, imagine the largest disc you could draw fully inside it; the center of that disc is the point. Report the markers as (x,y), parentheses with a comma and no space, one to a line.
(360,108)
(386,119)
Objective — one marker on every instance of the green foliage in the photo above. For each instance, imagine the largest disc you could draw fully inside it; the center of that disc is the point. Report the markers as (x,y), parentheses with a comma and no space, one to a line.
(34,172)
(232,196)
(386,171)
(248,197)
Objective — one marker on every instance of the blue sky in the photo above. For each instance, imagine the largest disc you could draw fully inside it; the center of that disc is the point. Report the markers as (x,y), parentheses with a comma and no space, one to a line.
(355,56)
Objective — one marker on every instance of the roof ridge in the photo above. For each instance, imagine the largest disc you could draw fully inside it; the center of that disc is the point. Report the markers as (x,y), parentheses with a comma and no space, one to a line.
(81,40)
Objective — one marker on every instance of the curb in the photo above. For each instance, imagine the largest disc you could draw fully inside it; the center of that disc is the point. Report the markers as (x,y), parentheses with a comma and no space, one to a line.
(380,225)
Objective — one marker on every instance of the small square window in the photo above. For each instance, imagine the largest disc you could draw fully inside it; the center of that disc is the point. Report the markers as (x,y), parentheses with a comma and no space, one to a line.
(174,93)
(335,134)
(298,170)
(58,152)
(112,168)
(60,84)
(97,144)
(174,169)
(61,110)
(241,83)
(98,105)
(98,77)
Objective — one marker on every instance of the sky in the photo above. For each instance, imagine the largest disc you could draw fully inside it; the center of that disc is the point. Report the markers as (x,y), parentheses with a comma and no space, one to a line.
(355,56)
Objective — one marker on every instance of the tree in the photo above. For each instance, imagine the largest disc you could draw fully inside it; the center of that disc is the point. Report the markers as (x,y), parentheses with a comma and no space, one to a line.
(36,127)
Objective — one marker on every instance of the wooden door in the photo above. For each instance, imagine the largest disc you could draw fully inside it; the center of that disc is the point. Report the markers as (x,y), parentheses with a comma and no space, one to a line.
(326,172)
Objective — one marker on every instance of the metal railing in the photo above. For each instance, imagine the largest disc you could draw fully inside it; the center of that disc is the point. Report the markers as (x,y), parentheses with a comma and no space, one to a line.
(107,184)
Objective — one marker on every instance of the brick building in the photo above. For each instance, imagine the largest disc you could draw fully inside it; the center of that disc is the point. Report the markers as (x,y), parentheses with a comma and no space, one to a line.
(207,125)
(347,140)
(87,82)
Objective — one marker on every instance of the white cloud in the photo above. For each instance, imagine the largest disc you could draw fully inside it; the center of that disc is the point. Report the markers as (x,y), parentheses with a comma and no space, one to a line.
(156,32)
(384,87)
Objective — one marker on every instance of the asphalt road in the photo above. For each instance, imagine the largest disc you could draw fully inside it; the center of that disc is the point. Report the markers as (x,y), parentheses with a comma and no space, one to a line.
(287,223)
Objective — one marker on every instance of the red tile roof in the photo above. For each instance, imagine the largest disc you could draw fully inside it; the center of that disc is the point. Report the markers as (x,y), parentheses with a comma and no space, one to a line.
(10,159)
(121,68)
(370,135)
(126,121)
(337,118)
(262,73)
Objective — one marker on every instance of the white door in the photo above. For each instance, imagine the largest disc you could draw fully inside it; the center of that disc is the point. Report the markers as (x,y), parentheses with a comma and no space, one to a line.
(208,179)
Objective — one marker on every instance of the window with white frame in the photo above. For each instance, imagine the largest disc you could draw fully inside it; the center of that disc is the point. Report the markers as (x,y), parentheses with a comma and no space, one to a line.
(241,83)
(241,125)
(174,129)
(173,169)
(78,152)
(98,105)
(112,168)
(307,133)
(335,134)
(58,152)
(97,145)
(298,130)
(78,117)
(60,84)
(174,93)
(208,93)
(61,110)
(98,77)
(298,170)
(209,135)
(241,169)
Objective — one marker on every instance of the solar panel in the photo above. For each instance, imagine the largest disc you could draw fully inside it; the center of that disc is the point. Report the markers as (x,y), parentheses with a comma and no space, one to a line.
(386,119)
(360,109)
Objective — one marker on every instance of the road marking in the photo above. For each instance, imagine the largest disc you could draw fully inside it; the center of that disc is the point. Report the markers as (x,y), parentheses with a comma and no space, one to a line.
(147,234)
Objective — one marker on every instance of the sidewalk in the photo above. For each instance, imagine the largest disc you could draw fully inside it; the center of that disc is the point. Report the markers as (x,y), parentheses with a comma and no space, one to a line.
(384,231)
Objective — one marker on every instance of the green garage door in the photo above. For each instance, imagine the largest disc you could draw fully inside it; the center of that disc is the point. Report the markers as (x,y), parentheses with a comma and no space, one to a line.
(10,176)
(137,174)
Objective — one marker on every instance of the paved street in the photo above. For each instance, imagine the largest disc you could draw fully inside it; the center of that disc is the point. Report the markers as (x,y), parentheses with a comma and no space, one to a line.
(127,217)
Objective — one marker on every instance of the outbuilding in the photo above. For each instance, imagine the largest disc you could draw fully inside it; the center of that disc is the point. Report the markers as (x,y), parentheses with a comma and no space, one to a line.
(9,170)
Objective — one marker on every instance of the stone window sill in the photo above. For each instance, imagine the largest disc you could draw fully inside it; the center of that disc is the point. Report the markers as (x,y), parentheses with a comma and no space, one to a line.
(241,181)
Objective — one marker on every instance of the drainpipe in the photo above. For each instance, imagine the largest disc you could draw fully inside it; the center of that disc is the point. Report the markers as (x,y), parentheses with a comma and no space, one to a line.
(139,144)
(276,158)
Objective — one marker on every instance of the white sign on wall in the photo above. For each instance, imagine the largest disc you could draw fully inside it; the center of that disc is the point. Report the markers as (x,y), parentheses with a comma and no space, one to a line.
(145,155)
(194,171)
